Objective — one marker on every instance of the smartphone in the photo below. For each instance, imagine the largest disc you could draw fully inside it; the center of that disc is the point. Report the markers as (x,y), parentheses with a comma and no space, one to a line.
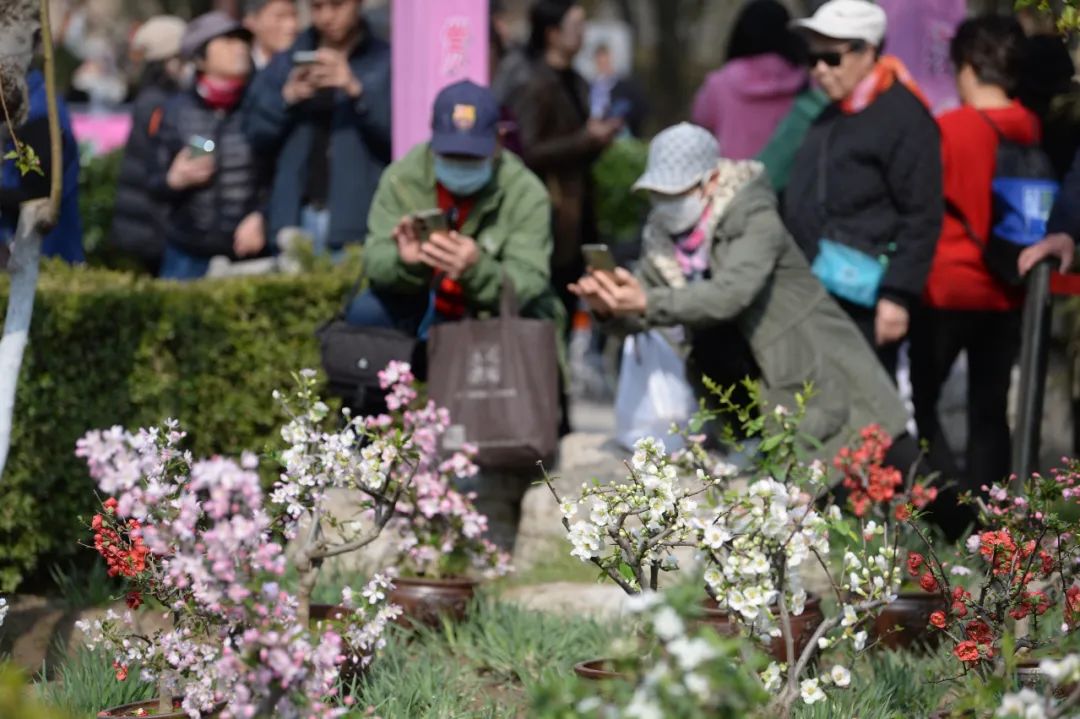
(428,222)
(305,57)
(200,146)
(599,257)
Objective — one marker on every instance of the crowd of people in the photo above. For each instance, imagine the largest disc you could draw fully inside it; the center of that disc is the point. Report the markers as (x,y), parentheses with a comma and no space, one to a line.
(810,216)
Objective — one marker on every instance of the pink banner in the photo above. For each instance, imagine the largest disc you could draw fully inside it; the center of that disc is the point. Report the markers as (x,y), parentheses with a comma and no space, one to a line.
(434,44)
(919,34)
(104,132)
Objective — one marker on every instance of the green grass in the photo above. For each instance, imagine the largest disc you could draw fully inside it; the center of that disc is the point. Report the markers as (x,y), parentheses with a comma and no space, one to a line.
(83,586)
(85,684)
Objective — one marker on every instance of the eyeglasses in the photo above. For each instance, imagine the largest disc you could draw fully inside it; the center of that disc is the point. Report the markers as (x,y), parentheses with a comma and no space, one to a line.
(833,58)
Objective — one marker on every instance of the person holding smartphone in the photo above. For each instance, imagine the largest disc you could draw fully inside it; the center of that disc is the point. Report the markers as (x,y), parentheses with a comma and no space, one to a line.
(450,223)
(715,251)
(202,166)
(322,110)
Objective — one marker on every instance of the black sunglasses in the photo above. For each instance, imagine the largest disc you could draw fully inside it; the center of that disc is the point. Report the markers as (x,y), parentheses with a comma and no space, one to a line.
(833,58)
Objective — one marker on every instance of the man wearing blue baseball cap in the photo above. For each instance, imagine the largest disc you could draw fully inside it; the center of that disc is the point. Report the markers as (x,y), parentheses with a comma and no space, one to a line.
(451,220)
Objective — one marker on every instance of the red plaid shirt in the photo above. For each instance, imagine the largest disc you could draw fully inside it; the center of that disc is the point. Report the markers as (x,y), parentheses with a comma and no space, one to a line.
(449,295)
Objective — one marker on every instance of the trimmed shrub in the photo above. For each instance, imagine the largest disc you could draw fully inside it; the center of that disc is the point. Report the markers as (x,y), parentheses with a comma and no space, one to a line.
(111,349)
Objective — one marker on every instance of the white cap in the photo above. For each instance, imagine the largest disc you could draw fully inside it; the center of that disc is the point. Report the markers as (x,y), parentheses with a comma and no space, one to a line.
(847,20)
(159,37)
(679,158)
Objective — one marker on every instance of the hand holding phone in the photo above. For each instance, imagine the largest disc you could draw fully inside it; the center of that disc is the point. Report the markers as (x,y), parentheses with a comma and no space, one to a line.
(305,57)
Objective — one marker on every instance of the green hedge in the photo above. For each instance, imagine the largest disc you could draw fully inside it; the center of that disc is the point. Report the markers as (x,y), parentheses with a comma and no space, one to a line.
(110,349)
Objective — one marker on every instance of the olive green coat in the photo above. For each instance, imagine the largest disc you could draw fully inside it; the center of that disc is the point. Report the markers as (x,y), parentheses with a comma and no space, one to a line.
(797,333)
(510,221)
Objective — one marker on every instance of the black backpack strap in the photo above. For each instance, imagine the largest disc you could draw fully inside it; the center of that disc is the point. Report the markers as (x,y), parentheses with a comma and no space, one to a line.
(952,209)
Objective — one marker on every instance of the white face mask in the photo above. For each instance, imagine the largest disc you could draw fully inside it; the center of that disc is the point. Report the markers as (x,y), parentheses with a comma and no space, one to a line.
(678,214)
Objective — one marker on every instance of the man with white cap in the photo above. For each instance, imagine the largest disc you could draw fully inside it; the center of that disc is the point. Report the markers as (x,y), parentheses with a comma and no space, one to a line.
(138,228)
(864,200)
(715,251)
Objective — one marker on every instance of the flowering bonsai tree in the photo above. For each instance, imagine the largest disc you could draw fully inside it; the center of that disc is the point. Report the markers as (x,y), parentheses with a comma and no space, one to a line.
(393,464)
(754,541)
(196,537)
(1021,565)
(631,530)
(440,531)
(759,541)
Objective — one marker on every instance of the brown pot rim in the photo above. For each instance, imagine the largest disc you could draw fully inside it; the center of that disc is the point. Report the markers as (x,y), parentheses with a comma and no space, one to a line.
(448,582)
(123,711)
(593,669)
(327,610)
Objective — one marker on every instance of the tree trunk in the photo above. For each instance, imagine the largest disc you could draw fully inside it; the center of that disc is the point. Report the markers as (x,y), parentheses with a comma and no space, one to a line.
(23,266)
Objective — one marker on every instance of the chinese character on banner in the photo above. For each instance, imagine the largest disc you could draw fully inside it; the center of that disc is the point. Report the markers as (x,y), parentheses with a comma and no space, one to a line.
(455,47)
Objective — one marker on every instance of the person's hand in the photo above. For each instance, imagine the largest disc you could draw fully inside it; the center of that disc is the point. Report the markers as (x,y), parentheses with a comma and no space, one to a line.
(408,242)
(1057,245)
(588,289)
(602,132)
(450,252)
(250,236)
(332,72)
(890,323)
(619,293)
(299,87)
(187,171)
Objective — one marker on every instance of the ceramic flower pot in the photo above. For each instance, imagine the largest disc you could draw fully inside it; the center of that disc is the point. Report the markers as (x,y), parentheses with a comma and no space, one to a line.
(425,601)
(148,708)
(323,612)
(802,626)
(905,623)
(598,670)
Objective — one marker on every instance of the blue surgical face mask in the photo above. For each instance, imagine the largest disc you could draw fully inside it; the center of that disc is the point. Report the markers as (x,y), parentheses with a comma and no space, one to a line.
(463,177)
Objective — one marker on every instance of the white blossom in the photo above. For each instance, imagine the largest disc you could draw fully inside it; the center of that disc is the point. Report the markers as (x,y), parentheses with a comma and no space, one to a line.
(840,676)
(810,691)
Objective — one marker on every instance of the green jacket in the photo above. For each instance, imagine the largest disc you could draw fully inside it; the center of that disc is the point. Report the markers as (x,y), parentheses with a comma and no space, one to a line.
(779,155)
(511,221)
(797,333)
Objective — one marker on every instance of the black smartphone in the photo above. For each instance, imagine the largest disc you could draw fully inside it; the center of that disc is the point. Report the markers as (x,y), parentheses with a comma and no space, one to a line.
(599,257)
(428,222)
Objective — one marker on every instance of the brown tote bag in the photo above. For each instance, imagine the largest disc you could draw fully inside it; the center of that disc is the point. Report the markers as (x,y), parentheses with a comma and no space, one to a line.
(499,378)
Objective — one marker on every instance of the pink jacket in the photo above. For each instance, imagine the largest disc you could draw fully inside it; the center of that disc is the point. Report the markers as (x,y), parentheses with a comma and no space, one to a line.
(744,101)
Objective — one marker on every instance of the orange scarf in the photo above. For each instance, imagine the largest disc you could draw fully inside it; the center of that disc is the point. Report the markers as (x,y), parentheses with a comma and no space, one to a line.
(888,70)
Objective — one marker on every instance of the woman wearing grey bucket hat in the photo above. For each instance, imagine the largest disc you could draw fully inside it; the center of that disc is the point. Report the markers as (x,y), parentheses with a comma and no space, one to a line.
(716,251)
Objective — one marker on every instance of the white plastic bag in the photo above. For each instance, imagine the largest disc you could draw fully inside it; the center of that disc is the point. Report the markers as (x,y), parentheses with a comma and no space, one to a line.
(653,392)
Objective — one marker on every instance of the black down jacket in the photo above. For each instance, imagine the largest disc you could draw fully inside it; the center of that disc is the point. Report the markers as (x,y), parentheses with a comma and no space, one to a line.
(202,220)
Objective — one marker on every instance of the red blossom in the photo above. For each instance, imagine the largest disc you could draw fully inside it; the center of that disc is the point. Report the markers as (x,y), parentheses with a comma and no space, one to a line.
(938,619)
(922,496)
(979,632)
(914,563)
(121,671)
(959,609)
(902,512)
(967,651)
(134,599)
(928,583)
(1072,606)
(865,477)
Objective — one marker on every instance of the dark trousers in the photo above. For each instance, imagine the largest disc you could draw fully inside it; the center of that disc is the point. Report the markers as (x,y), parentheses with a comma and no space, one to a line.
(992,342)
(864,318)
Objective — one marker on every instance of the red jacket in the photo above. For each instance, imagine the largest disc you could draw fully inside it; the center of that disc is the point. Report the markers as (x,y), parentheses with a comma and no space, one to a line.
(958,278)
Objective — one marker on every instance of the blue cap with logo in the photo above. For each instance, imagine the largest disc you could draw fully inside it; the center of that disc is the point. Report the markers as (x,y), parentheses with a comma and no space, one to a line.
(465,121)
